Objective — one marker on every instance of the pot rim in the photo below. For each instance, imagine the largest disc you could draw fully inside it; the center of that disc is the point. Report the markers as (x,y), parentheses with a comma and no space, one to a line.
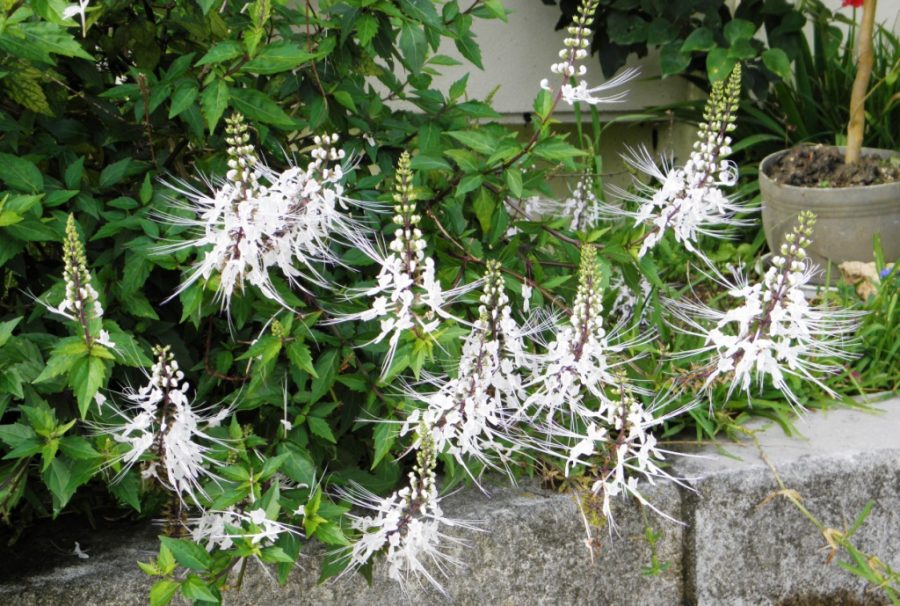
(763,165)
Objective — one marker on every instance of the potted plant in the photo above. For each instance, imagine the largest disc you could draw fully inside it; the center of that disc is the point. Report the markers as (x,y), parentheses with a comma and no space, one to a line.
(854,191)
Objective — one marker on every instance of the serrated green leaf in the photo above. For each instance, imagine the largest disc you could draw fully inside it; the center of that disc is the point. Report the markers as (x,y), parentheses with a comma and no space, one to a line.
(6,329)
(299,355)
(214,101)
(187,553)
(476,140)
(86,378)
(194,588)
(514,181)
(21,174)
(222,51)
(258,106)
(163,591)
(385,436)
(413,46)
(319,427)
(366,28)
(114,173)
(184,96)
(279,57)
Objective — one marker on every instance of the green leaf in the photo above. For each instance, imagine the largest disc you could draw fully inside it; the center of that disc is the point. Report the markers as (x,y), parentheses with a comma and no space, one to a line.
(59,480)
(21,174)
(74,173)
(278,57)
(331,534)
(76,447)
(319,427)
(184,96)
(469,49)
(298,354)
(557,149)
(194,588)
(738,29)
(223,51)
(163,591)
(673,60)
(187,553)
(366,28)
(114,173)
(326,371)
(385,435)
(699,40)
(6,329)
(484,208)
(468,184)
(424,162)
(258,106)
(476,140)
(413,46)
(59,363)
(719,64)
(88,375)
(214,101)
(778,62)
(514,181)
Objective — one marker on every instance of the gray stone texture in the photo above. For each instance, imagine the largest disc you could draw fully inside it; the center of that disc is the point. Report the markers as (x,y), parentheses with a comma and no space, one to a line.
(734,548)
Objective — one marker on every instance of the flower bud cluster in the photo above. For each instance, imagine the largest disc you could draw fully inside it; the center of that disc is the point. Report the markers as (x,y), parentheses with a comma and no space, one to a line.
(259,218)
(625,448)
(81,302)
(774,332)
(576,48)
(576,45)
(582,205)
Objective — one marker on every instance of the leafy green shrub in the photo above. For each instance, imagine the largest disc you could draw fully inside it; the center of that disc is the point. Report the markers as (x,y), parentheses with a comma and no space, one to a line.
(200,314)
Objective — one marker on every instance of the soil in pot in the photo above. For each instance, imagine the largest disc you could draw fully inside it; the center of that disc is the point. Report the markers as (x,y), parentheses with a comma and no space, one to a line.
(823,166)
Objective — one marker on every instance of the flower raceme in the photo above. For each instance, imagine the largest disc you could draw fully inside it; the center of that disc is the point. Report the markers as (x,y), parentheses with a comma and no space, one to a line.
(81,303)
(407,294)
(579,362)
(688,200)
(163,429)
(406,527)
(470,415)
(774,332)
(575,49)
(257,219)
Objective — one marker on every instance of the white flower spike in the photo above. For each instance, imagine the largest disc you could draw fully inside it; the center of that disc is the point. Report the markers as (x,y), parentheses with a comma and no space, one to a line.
(774,332)
(689,200)
(407,294)
(258,219)
(407,528)
(164,429)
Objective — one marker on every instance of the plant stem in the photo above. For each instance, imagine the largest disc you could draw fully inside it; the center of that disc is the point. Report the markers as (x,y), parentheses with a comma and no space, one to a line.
(857,125)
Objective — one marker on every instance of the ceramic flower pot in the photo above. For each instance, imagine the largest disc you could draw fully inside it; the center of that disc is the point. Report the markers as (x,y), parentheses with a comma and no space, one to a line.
(848,218)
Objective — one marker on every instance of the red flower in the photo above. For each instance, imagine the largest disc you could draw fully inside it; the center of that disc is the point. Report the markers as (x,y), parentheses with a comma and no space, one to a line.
(853,3)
